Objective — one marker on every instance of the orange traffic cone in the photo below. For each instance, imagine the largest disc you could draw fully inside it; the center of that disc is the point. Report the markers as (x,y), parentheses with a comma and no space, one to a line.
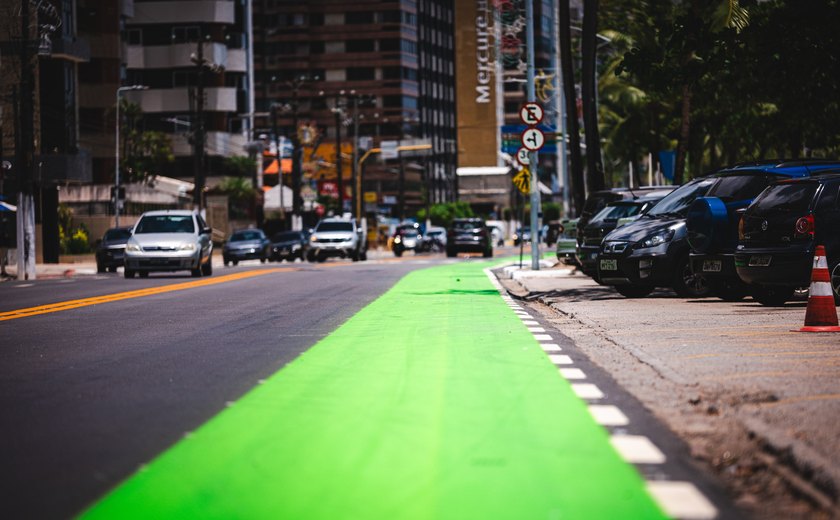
(820,315)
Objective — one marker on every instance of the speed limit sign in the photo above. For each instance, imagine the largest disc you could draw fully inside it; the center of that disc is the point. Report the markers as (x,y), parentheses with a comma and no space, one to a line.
(522,156)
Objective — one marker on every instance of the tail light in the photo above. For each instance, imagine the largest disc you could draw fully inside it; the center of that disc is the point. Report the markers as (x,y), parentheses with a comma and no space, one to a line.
(805,226)
(741,228)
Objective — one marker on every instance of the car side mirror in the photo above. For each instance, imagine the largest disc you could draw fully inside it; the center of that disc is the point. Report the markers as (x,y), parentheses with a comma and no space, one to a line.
(206,230)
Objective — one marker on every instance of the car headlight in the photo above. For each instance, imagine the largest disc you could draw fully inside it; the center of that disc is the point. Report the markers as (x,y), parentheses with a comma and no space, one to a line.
(658,238)
(132,247)
(186,247)
(397,240)
(313,239)
(295,247)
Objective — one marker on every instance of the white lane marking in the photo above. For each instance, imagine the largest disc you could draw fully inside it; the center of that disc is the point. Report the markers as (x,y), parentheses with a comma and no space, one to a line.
(587,391)
(608,415)
(550,348)
(543,337)
(681,500)
(536,329)
(637,449)
(572,373)
(531,323)
(559,359)
(24,285)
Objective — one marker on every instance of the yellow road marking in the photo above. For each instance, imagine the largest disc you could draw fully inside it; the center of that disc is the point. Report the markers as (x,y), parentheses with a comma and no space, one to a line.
(107,298)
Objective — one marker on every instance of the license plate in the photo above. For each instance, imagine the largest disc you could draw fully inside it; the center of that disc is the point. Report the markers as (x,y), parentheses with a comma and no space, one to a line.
(609,265)
(760,260)
(712,266)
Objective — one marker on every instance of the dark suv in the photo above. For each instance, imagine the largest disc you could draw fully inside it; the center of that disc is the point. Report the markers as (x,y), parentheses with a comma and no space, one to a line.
(652,251)
(712,221)
(469,234)
(779,233)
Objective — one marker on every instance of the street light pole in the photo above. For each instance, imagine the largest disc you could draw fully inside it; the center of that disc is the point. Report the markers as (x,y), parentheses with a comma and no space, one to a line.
(117,152)
(338,160)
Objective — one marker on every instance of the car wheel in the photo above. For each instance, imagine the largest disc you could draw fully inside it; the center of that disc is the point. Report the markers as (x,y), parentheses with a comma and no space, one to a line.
(363,255)
(450,253)
(687,283)
(227,263)
(835,282)
(207,269)
(112,269)
(729,290)
(195,272)
(398,252)
(310,256)
(128,273)
(143,274)
(262,260)
(235,262)
(488,254)
(322,258)
(772,296)
(634,291)
(100,268)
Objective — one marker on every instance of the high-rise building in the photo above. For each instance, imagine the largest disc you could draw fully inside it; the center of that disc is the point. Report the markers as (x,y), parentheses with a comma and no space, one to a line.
(192,56)
(386,68)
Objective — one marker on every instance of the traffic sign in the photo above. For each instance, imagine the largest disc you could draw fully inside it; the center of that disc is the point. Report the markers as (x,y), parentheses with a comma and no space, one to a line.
(533,139)
(522,180)
(522,156)
(531,113)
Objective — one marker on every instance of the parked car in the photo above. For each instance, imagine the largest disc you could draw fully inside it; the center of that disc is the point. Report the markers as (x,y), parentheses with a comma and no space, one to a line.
(596,201)
(340,237)
(436,238)
(110,253)
(289,245)
(713,220)
(779,233)
(246,244)
(566,249)
(469,235)
(522,235)
(606,220)
(169,240)
(652,251)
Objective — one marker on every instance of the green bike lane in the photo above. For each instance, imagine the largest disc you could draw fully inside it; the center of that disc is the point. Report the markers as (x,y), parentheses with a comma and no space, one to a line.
(434,401)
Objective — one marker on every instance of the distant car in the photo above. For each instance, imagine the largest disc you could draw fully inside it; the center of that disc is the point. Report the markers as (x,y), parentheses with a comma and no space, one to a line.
(607,219)
(246,244)
(436,238)
(498,236)
(407,237)
(289,245)
(522,235)
(169,240)
(469,235)
(566,249)
(110,253)
(779,233)
(596,201)
(343,238)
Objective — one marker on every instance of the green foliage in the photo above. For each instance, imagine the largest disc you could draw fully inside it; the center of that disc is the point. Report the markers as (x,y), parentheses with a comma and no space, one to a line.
(240,166)
(72,241)
(442,214)
(241,194)
(145,153)
(551,211)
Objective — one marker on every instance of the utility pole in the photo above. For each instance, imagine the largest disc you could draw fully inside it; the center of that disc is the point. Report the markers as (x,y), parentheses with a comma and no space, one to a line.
(356,195)
(25,153)
(279,159)
(198,127)
(297,159)
(534,157)
(338,160)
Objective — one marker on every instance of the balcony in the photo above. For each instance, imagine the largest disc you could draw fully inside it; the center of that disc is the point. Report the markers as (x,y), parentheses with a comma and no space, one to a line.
(218,99)
(60,168)
(216,143)
(178,56)
(72,49)
(203,11)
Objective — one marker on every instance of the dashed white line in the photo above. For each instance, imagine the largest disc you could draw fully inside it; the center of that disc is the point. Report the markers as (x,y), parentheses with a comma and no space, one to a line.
(536,329)
(543,337)
(637,449)
(550,348)
(530,323)
(572,373)
(587,391)
(559,359)
(608,415)
(681,500)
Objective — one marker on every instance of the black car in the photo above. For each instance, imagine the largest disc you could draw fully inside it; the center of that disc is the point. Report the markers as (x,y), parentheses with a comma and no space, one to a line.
(289,245)
(606,220)
(713,220)
(652,251)
(247,244)
(779,233)
(469,235)
(110,253)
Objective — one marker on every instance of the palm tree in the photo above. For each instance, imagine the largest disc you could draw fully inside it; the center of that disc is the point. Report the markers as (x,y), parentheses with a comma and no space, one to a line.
(578,188)
(589,96)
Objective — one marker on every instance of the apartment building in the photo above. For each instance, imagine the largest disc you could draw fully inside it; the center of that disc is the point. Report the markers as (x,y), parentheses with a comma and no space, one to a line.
(387,66)
(192,56)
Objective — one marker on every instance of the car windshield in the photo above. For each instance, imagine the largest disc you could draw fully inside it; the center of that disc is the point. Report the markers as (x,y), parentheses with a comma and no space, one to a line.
(784,198)
(242,236)
(287,236)
(465,225)
(165,224)
(678,201)
(410,233)
(335,226)
(616,211)
(117,234)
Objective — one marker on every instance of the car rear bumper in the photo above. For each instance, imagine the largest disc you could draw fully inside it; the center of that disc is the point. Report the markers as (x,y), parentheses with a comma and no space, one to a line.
(714,267)
(785,268)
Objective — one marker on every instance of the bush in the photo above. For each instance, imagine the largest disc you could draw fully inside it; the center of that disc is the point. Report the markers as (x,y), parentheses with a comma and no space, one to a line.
(442,214)
(76,243)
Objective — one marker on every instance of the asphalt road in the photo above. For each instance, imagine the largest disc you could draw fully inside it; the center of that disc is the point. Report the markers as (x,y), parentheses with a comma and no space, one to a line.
(89,394)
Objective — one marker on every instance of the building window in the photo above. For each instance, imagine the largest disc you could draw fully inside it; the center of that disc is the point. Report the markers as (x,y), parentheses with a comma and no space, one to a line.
(184,34)
(361,73)
(358,17)
(389,45)
(360,45)
(134,36)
